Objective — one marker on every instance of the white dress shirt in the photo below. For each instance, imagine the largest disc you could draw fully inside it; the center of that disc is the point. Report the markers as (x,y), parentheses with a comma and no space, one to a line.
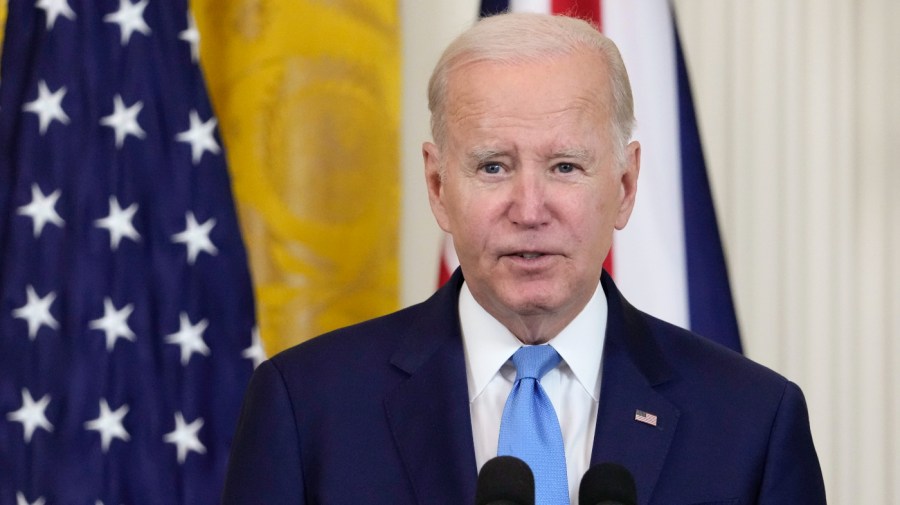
(573,386)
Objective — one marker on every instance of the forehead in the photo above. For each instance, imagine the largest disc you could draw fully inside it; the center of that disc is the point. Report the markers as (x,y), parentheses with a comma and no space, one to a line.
(564,94)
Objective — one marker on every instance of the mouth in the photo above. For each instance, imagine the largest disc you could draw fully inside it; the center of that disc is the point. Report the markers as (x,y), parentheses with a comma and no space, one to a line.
(530,262)
(529,256)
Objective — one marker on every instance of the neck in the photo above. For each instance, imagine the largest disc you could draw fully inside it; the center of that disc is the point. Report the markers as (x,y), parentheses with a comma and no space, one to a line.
(534,329)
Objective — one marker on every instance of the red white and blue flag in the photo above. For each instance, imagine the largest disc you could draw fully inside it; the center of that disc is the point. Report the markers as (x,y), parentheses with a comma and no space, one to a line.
(126,311)
(669,260)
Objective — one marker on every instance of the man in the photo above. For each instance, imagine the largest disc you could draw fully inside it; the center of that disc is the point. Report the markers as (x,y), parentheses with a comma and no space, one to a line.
(530,171)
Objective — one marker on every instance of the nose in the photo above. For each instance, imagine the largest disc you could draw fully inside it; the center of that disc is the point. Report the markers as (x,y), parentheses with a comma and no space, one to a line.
(528,203)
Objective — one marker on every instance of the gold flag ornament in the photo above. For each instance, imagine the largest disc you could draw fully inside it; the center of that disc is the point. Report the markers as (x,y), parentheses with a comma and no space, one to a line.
(307,93)
(2,22)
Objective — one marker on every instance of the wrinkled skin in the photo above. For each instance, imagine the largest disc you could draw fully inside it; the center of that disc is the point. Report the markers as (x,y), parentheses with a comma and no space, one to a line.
(528,184)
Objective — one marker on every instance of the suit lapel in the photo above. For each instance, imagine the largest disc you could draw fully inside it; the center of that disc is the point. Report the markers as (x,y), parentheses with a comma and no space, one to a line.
(633,365)
(429,412)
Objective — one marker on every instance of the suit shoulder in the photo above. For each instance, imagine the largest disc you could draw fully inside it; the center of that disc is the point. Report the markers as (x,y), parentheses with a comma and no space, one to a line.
(418,328)
(357,347)
(697,358)
(376,332)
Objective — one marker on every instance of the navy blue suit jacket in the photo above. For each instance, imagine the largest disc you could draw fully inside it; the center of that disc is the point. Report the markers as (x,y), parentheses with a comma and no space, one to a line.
(378,413)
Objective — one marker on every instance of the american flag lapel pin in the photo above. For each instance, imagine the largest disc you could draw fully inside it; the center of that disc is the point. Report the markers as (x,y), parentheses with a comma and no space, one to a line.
(645,417)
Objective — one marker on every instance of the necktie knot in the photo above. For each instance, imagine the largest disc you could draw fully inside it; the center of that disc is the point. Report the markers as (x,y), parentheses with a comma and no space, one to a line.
(534,361)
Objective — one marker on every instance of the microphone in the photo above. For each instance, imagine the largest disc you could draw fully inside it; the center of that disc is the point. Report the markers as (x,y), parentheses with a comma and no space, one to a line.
(505,480)
(607,484)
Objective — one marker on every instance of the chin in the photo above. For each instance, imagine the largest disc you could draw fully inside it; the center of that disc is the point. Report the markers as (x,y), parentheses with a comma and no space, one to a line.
(533,304)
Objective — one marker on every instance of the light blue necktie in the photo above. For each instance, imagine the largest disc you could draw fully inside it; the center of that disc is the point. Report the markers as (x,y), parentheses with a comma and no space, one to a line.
(529,429)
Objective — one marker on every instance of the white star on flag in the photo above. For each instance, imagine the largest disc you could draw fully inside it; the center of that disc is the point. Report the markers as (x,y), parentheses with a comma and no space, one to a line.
(54,9)
(192,36)
(189,337)
(109,424)
(130,18)
(196,237)
(48,106)
(36,311)
(185,438)
(114,323)
(20,500)
(255,352)
(42,209)
(106,147)
(199,136)
(124,120)
(32,414)
(118,222)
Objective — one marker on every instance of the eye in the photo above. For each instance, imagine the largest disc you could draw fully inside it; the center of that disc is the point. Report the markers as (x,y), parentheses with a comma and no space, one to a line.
(491,168)
(565,168)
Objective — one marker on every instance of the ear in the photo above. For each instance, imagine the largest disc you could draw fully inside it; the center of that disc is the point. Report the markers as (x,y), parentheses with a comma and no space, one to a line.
(628,183)
(435,183)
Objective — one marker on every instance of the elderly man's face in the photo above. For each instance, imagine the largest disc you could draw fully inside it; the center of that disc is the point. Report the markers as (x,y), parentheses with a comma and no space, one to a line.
(531,189)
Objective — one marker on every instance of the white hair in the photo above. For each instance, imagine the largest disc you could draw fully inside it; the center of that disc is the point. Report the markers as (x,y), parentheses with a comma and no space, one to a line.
(526,37)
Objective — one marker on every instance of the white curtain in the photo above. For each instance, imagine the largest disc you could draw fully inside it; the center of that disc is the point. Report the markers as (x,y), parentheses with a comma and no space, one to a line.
(799,107)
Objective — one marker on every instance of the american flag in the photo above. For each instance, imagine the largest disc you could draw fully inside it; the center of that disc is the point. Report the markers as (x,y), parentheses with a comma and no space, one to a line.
(645,417)
(126,312)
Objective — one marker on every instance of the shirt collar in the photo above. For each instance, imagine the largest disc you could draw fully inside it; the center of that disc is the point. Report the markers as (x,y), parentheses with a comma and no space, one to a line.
(488,344)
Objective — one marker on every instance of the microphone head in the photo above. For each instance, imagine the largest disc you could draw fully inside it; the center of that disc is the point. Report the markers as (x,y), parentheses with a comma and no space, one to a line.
(607,483)
(505,480)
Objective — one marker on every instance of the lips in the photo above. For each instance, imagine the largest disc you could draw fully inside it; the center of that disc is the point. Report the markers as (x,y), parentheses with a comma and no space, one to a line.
(532,254)
(529,253)
(531,257)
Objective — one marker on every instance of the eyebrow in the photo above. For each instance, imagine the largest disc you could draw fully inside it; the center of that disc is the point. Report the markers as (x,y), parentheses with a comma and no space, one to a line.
(480,155)
(575,153)
(483,154)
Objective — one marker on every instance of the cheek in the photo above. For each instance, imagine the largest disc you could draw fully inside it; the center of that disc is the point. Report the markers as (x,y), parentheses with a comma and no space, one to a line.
(464,219)
(592,222)
(469,206)
(470,227)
